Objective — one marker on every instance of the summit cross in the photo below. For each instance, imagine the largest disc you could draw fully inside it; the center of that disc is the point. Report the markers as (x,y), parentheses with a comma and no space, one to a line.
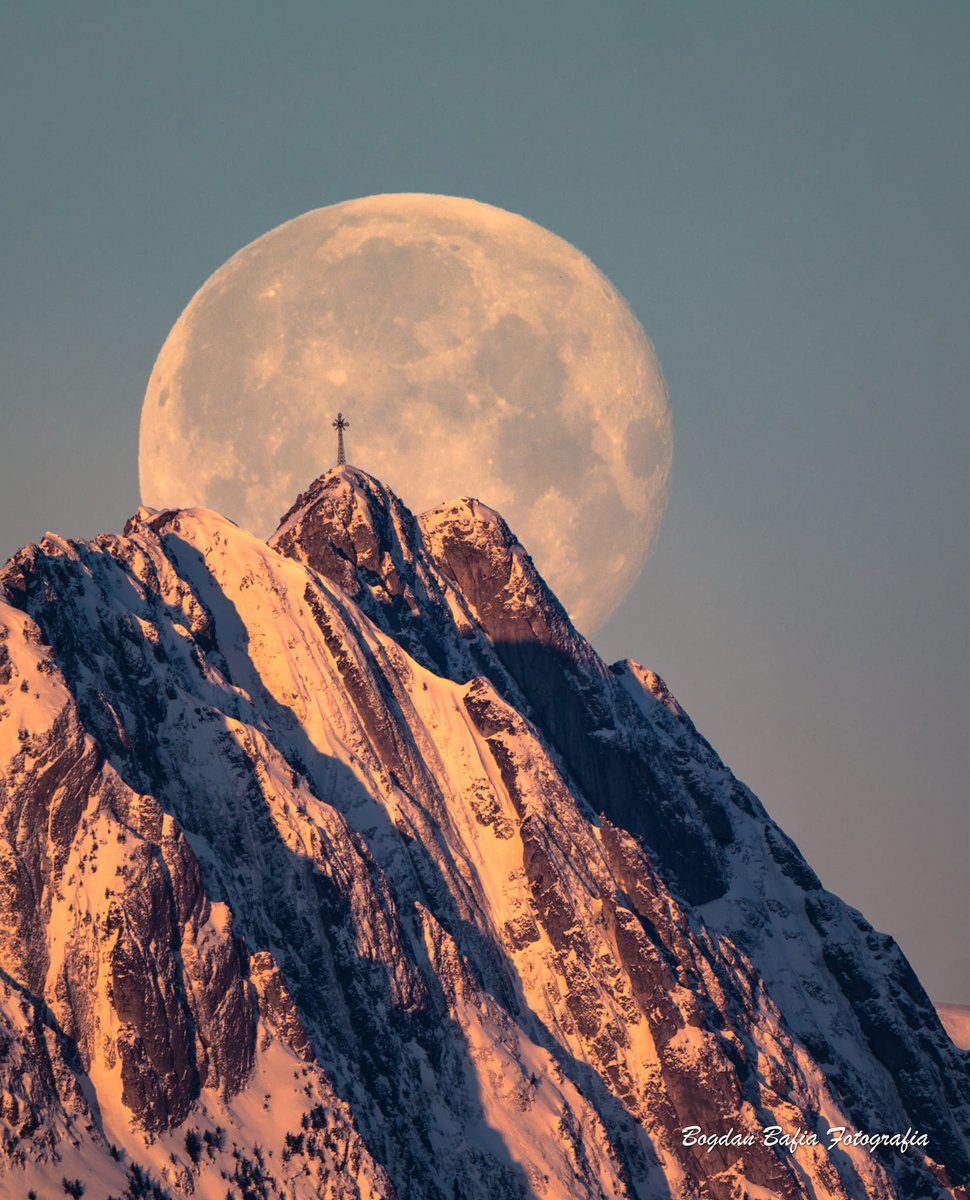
(340,425)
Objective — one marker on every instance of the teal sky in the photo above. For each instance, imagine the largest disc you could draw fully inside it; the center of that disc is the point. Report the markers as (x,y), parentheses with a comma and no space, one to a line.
(780,190)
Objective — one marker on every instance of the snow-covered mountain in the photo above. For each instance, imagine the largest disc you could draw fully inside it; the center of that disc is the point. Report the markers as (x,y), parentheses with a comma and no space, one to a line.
(343,866)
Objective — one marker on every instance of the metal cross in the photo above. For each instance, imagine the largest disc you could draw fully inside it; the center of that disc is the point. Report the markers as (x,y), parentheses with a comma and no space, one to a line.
(340,425)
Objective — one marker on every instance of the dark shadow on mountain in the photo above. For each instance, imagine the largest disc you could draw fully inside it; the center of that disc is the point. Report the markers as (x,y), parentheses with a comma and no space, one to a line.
(578,716)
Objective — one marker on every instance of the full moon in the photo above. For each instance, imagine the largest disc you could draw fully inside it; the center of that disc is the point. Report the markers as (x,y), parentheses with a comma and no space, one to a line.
(473,352)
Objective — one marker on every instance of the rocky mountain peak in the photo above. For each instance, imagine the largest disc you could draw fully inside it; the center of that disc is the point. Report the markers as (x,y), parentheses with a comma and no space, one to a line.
(351,528)
(474,547)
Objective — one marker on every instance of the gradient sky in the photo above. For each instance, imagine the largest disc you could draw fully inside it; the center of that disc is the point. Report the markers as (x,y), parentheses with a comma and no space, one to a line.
(781,192)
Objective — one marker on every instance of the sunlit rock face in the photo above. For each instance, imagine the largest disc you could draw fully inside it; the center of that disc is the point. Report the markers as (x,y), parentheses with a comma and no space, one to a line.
(343,866)
(472,350)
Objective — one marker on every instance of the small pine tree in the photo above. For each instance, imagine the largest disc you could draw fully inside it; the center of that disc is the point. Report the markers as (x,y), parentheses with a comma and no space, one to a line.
(193,1145)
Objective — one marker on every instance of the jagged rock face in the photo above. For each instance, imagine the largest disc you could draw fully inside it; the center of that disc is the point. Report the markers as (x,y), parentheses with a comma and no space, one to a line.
(302,885)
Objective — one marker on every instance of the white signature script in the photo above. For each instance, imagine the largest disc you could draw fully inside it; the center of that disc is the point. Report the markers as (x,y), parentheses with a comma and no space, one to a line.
(774,1135)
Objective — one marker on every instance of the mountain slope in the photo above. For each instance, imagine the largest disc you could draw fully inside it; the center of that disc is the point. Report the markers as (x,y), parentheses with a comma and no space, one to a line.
(344,866)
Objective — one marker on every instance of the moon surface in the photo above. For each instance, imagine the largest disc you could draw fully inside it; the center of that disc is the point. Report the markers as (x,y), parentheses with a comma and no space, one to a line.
(473,352)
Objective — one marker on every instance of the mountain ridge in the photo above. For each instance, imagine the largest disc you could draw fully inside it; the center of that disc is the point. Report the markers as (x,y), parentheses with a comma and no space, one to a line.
(393,832)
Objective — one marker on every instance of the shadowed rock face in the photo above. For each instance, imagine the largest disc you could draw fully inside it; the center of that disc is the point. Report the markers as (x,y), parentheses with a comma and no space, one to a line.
(345,864)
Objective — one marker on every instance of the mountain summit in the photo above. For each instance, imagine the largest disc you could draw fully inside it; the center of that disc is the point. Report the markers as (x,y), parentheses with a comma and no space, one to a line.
(343,866)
